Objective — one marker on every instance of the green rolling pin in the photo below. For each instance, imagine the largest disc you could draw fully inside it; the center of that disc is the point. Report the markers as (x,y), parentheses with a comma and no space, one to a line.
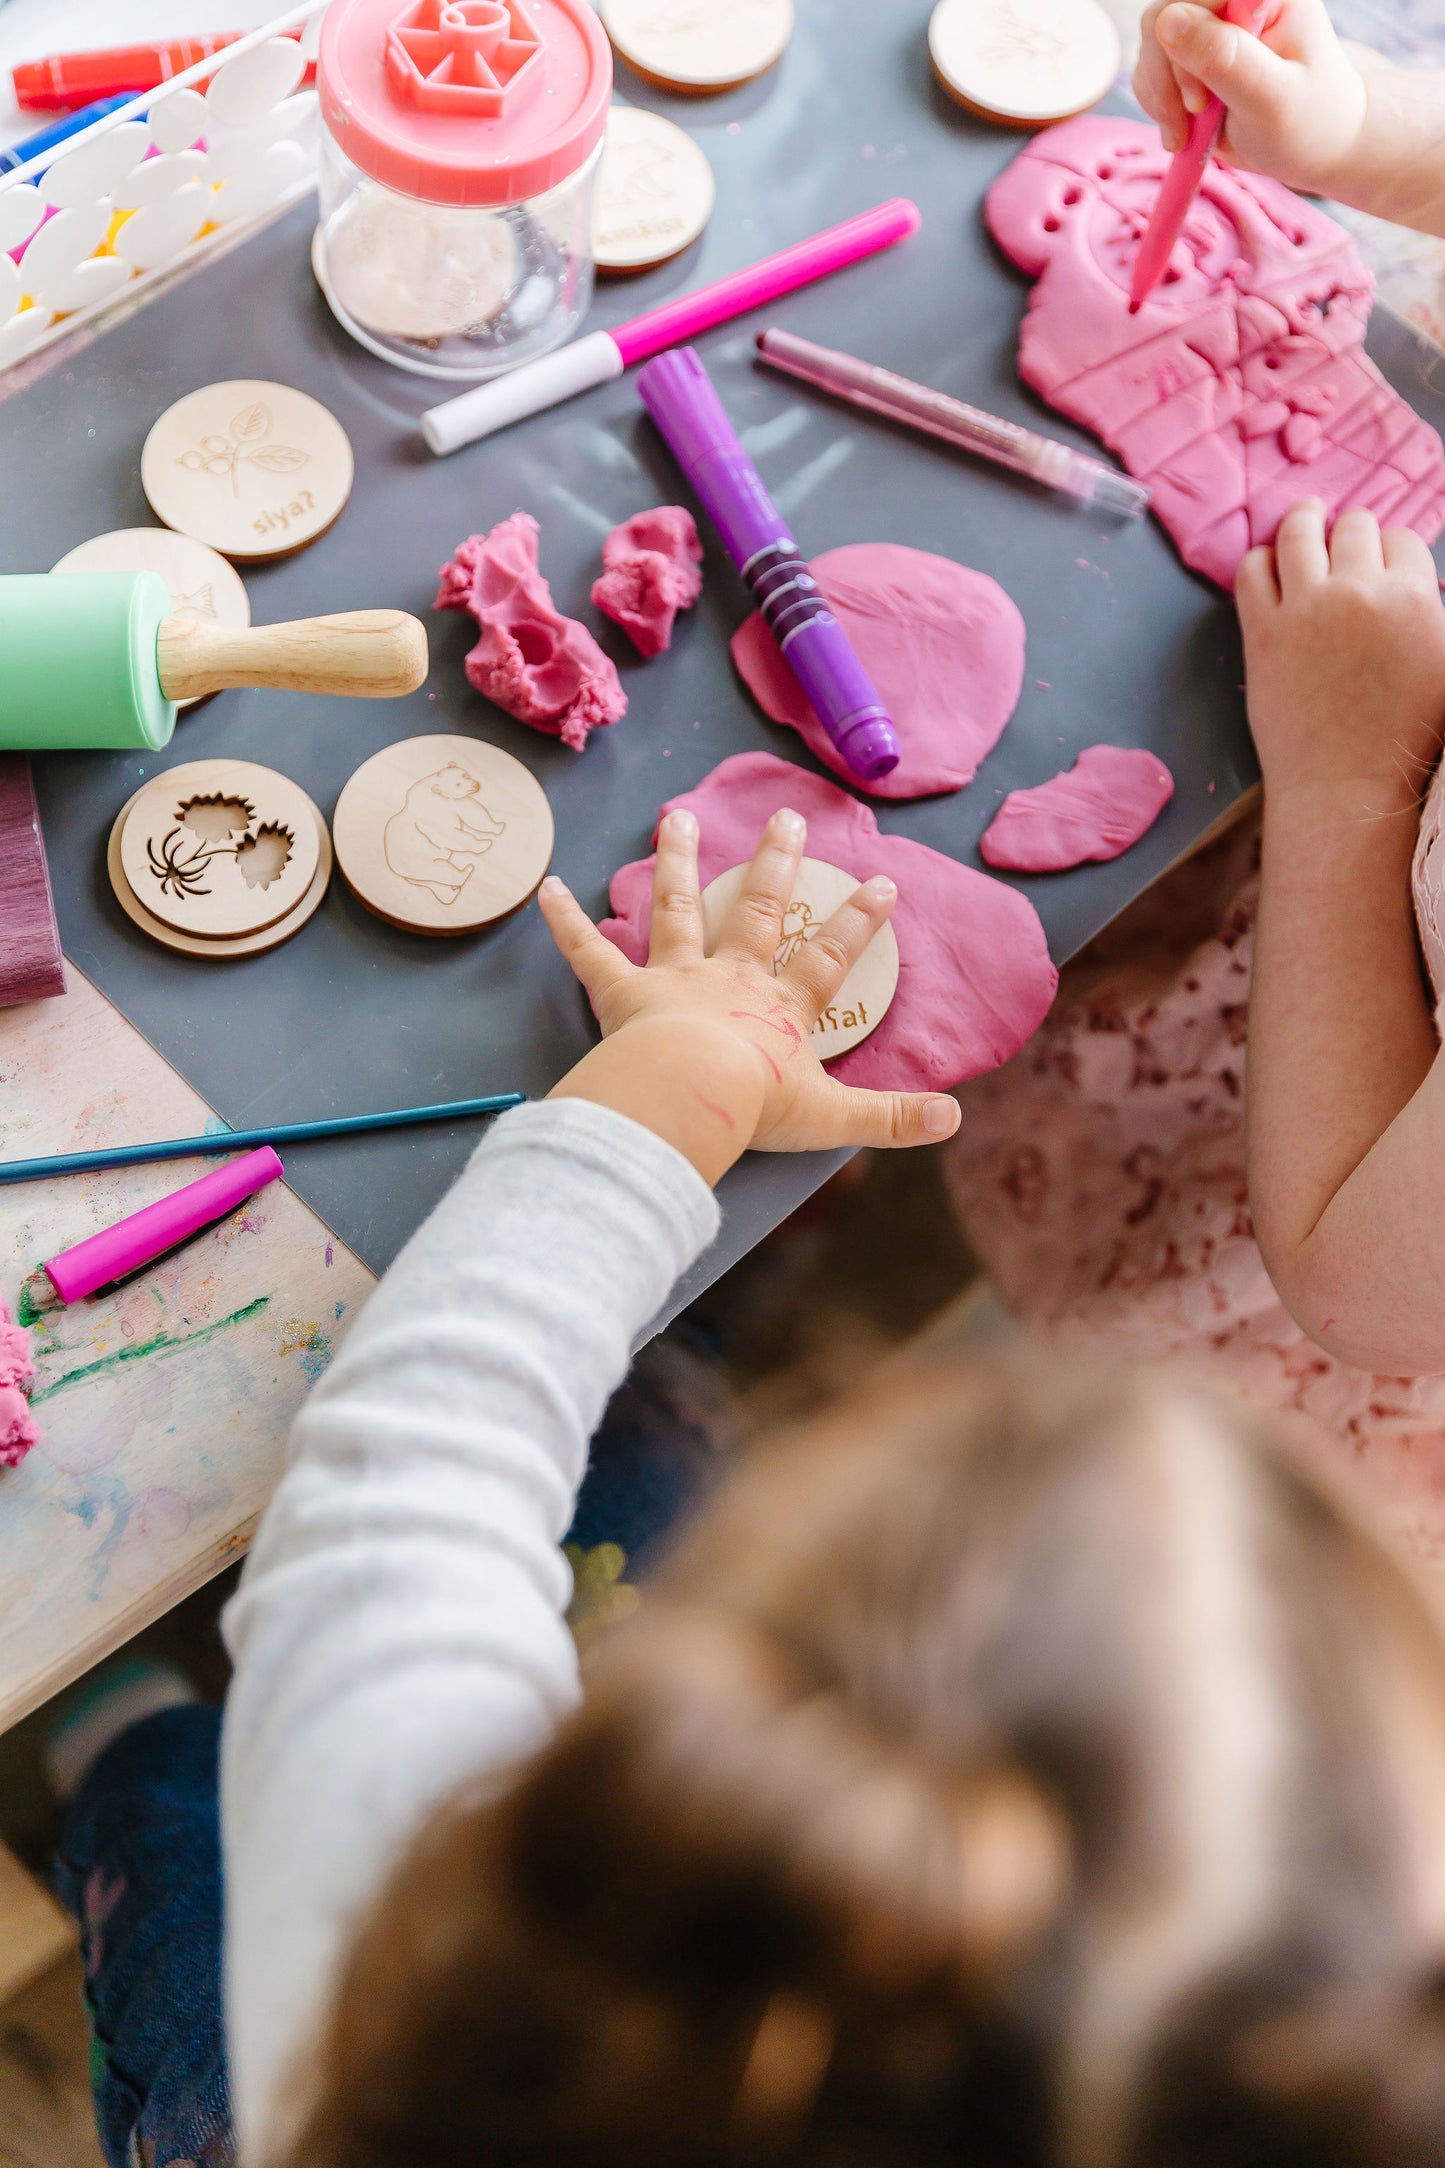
(95,660)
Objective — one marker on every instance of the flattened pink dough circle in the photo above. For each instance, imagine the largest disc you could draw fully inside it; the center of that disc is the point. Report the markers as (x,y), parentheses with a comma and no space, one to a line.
(538,665)
(1096,811)
(1242,385)
(943,644)
(975,979)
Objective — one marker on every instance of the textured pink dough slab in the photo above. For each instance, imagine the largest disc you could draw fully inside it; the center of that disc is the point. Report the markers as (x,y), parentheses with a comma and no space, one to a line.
(18,1429)
(975,980)
(651,569)
(540,666)
(1096,811)
(1242,384)
(944,646)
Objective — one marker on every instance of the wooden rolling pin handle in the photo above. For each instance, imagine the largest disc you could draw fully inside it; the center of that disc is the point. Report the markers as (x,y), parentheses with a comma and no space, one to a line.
(370,654)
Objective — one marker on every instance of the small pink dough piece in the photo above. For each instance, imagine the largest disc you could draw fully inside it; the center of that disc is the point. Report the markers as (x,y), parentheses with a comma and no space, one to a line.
(544,668)
(1242,384)
(1097,810)
(975,980)
(651,570)
(18,1428)
(944,646)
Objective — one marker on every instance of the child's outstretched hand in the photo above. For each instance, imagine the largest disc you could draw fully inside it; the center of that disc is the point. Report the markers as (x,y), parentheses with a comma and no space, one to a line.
(1294,101)
(1344,639)
(713,1052)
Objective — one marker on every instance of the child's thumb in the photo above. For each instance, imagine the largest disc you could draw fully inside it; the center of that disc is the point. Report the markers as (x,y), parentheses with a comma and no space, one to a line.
(1234,64)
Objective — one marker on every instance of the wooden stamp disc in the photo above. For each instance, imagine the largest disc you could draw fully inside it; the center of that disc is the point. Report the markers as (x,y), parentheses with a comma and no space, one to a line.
(1025,62)
(201,583)
(699,47)
(867,992)
(255,470)
(219,849)
(191,945)
(441,835)
(655,192)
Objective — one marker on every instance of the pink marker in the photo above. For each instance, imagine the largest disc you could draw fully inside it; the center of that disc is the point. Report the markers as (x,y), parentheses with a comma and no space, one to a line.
(604,355)
(1186,171)
(133,1243)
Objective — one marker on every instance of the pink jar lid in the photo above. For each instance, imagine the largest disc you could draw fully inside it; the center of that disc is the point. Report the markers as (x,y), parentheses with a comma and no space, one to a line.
(465,101)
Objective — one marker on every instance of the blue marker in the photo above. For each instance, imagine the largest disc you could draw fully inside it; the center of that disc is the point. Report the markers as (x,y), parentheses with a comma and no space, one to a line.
(50,139)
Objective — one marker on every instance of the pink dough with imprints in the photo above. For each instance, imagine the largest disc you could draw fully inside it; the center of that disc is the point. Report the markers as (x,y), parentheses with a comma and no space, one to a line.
(651,569)
(1099,809)
(943,644)
(1242,384)
(540,666)
(975,980)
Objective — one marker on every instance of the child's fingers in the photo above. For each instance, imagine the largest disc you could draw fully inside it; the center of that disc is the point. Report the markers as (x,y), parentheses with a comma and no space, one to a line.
(1156,86)
(1356,546)
(1302,557)
(592,956)
(676,910)
(822,964)
(753,924)
(1229,63)
(886,1121)
(1407,552)
(1256,585)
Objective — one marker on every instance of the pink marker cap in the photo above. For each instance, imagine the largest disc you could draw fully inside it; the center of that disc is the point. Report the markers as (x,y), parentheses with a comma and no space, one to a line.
(465,101)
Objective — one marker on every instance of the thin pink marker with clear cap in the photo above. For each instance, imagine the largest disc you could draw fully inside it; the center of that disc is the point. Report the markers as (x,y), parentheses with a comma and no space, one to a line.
(605,355)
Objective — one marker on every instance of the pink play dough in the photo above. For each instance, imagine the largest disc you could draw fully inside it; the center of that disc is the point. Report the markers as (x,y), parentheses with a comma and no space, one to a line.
(650,572)
(543,668)
(18,1429)
(1096,811)
(943,645)
(1242,384)
(975,980)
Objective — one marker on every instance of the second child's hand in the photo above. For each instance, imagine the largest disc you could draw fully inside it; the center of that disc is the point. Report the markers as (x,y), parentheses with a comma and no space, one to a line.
(714,1053)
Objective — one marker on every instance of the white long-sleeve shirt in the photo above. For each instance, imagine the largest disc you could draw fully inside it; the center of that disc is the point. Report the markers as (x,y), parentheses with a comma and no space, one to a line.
(400,1625)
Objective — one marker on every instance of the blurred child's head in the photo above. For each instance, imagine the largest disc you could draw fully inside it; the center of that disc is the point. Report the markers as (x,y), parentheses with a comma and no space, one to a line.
(1024,1769)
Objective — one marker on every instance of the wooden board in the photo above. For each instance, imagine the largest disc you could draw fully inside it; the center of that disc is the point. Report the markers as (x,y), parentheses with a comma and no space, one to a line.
(442,835)
(47,2117)
(35,1931)
(164,1407)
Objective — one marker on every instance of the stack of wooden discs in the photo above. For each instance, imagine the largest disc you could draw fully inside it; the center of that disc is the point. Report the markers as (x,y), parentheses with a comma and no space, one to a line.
(219,858)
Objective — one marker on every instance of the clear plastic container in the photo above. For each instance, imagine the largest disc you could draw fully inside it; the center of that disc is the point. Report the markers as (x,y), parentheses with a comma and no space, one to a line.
(459,153)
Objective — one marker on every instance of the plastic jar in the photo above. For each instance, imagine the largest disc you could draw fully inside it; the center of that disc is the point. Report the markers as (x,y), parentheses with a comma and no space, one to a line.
(460,146)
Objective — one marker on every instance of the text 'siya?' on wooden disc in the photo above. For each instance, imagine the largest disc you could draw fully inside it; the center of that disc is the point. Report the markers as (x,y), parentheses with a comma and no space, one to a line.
(867,992)
(442,835)
(1025,62)
(201,583)
(188,831)
(655,192)
(256,470)
(699,46)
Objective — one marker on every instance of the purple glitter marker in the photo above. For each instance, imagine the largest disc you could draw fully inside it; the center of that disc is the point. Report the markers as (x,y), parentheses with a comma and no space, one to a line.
(678,394)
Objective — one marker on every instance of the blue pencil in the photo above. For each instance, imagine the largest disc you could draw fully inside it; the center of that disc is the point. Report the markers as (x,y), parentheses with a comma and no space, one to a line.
(49,139)
(247,1140)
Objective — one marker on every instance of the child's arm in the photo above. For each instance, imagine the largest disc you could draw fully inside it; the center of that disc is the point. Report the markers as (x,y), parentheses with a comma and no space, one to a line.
(400,1627)
(1329,119)
(1345,649)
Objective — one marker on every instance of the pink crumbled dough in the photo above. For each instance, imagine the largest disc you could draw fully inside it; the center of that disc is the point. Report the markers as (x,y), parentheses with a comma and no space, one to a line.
(1097,810)
(651,569)
(975,979)
(1242,384)
(544,668)
(943,644)
(18,1428)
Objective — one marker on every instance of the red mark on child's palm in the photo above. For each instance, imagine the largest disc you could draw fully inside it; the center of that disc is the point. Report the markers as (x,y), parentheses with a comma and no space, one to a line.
(713,1107)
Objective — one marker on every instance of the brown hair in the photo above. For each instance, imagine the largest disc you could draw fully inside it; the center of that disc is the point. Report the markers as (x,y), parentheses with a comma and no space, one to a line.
(1017,1772)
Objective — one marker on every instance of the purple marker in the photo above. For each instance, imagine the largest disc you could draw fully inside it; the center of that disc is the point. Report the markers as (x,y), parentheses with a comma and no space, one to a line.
(678,394)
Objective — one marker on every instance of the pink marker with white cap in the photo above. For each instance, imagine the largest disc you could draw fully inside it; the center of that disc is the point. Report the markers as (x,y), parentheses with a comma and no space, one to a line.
(605,355)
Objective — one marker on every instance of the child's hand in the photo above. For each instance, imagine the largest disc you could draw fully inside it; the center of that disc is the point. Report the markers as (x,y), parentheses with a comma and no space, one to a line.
(1345,656)
(1295,103)
(713,1053)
